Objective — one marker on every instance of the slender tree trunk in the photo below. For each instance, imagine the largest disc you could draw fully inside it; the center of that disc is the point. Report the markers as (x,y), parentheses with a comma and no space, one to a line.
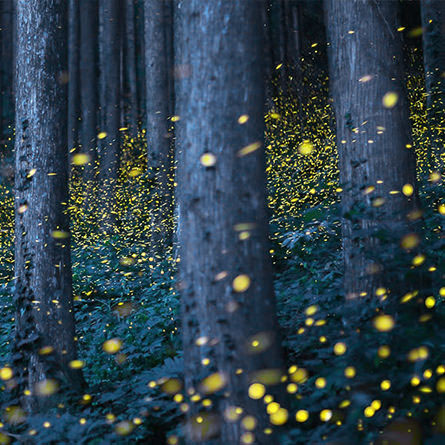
(73,72)
(140,62)
(228,307)
(111,94)
(89,27)
(6,80)
(131,90)
(291,27)
(373,133)
(433,22)
(158,84)
(283,43)
(277,45)
(43,295)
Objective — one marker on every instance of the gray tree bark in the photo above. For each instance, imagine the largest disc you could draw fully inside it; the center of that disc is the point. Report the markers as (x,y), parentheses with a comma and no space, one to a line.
(158,74)
(222,202)
(433,23)
(110,70)
(43,294)
(89,28)
(73,72)
(374,142)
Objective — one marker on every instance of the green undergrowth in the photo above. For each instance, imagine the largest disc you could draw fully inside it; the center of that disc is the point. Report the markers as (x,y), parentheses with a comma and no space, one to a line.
(351,377)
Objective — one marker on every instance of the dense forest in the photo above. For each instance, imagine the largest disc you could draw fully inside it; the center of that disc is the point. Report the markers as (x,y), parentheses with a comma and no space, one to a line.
(222,222)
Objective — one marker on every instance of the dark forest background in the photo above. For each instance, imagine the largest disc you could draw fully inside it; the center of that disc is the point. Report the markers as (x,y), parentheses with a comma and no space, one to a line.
(221,222)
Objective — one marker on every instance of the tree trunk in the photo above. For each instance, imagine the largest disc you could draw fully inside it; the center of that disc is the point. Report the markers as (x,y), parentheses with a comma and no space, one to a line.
(6,80)
(433,22)
(131,91)
(374,139)
(158,69)
(140,62)
(292,55)
(282,21)
(228,308)
(89,27)
(111,94)
(73,72)
(44,308)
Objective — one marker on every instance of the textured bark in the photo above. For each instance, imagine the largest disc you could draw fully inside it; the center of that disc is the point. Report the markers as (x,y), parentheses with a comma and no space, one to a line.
(110,70)
(42,258)
(433,22)
(219,46)
(158,71)
(373,141)
(73,72)
(131,90)
(89,27)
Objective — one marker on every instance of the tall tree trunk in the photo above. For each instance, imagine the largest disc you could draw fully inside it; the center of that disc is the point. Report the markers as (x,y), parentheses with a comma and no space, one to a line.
(158,84)
(373,133)
(292,38)
(433,22)
(89,28)
(131,90)
(73,73)
(140,62)
(110,70)
(283,22)
(44,308)
(228,308)
(6,79)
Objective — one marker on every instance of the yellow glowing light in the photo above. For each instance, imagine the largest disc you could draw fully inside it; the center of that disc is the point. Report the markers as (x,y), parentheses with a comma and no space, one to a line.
(384,351)
(430,302)
(208,159)
(418,260)
(306,147)
(280,417)
(369,411)
(241,283)
(385,385)
(384,323)
(299,376)
(249,149)
(350,372)
(390,99)
(302,415)
(320,382)
(112,346)
(407,189)
(256,391)
(81,159)
(6,373)
(213,383)
(325,415)
(76,364)
(410,241)
(340,348)
(440,385)
(243,119)
(46,387)
(172,386)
